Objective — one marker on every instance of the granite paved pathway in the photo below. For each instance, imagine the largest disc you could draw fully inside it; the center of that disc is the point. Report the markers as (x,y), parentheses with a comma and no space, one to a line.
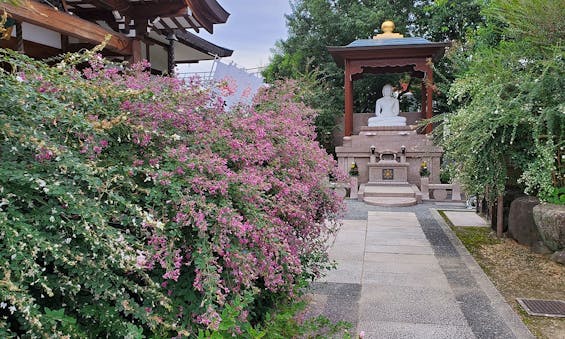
(402,274)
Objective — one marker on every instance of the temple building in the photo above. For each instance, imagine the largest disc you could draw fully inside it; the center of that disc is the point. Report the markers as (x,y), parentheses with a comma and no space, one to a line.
(155,30)
(389,147)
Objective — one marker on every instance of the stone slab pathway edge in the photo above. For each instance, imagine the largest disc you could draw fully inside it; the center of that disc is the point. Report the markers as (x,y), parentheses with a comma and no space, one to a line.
(504,310)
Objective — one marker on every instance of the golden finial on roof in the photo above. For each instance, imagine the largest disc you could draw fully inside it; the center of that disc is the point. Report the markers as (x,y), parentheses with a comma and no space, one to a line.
(388,28)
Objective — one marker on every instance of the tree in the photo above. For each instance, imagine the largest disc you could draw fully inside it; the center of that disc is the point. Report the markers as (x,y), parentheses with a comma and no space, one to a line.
(509,128)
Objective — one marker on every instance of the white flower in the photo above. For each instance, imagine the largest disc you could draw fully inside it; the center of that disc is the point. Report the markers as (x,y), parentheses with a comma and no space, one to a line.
(68,241)
(159,225)
(141,260)
(52,218)
(12,309)
(3,305)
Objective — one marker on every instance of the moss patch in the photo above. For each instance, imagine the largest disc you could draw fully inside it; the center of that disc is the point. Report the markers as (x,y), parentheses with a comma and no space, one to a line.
(474,238)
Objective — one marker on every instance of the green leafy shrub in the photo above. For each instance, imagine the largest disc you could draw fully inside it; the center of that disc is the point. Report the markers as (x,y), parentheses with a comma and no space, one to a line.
(557,196)
(354,170)
(424,171)
(509,128)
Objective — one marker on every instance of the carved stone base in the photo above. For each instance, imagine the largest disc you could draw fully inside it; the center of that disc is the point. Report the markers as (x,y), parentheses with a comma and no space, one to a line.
(388,171)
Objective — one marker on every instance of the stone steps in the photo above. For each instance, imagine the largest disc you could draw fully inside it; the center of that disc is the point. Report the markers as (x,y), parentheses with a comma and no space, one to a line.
(388,191)
(390,201)
(387,195)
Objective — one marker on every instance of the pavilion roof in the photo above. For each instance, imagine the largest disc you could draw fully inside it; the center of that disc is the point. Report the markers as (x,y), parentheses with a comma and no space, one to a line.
(412,47)
(202,45)
(164,15)
(152,21)
(388,42)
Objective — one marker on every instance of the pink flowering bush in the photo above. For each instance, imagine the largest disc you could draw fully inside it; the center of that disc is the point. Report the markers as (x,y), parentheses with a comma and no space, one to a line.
(136,205)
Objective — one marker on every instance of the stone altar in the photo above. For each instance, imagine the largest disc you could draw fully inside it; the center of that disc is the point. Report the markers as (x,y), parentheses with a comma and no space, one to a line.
(389,169)
(387,139)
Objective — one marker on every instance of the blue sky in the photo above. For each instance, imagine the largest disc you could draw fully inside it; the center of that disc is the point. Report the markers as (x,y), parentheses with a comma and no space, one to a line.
(251,31)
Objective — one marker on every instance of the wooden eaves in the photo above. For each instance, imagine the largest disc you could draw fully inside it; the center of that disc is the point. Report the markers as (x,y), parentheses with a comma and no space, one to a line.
(50,18)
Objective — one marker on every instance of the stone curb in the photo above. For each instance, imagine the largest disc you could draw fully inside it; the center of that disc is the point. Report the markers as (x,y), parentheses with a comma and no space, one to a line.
(506,313)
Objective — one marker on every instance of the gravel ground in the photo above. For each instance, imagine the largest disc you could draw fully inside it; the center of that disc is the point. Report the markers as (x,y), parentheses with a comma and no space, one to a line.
(518,273)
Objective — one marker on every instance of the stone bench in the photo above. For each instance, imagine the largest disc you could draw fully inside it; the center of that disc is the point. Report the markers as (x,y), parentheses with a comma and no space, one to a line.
(439,191)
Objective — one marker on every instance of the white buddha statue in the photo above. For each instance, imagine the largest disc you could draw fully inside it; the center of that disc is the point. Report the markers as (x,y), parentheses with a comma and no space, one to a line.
(387,110)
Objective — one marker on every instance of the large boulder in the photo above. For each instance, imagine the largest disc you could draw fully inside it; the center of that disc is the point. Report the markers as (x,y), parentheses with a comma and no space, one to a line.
(559,257)
(521,225)
(510,195)
(550,221)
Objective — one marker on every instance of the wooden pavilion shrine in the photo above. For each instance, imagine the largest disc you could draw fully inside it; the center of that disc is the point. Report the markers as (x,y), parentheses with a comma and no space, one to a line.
(388,53)
(389,157)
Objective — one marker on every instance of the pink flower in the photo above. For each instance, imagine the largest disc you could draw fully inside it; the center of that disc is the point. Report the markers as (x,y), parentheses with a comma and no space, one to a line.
(227,86)
(44,155)
(141,260)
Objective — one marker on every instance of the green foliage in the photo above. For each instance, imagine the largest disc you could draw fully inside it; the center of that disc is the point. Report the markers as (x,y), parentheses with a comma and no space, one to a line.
(445,175)
(286,323)
(556,196)
(449,20)
(424,171)
(455,21)
(285,320)
(13,2)
(510,127)
(538,22)
(354,170)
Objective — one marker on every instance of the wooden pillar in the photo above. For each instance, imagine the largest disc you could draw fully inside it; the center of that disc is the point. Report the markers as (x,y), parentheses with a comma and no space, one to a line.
(64,43)
(171,58)
(135,51)
(19,37)
(424,100)
(148,51)
(499,215)
(348,120)
(429,98)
